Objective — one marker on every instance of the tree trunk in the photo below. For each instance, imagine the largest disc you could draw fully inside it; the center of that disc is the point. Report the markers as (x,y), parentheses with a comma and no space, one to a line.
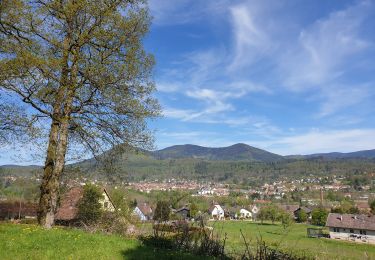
(54,166)
(49,186)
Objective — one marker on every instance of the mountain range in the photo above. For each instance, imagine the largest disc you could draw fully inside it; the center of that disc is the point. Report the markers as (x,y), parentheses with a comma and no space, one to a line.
(244,152)
(236,152)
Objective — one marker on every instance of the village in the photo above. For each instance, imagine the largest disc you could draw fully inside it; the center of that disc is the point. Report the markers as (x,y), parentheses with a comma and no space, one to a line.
(348,217)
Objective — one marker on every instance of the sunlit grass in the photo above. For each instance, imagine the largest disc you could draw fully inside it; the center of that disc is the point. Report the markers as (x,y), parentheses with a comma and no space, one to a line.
(293,239)
(33,242)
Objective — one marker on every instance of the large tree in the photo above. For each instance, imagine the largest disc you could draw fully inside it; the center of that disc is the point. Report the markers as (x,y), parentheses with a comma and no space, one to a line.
(76,69)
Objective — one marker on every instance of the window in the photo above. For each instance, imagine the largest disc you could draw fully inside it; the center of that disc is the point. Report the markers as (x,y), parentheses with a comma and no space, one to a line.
(351,231)
(106,204)
(362,232)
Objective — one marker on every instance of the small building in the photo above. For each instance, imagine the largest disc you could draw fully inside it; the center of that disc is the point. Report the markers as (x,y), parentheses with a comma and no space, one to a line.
(305,209)
(182,213)
(17,210)
(245,214)
(68,210)
(351,227)
(290,208)
(254,209)
(217,212)
(143,211)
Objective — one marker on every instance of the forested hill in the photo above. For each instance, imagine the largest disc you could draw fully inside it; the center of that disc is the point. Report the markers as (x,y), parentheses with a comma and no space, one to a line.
(236,152)
(368,154)
(237,162)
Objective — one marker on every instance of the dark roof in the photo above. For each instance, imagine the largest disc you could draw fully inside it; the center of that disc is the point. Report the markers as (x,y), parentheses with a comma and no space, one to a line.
(15,208)
(351,221)
(305,209)
(69,204)
(182,209)
(289,208)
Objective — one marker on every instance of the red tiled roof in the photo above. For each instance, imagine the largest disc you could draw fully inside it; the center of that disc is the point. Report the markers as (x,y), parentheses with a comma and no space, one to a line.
(69,204)
(145,209)
(351,221)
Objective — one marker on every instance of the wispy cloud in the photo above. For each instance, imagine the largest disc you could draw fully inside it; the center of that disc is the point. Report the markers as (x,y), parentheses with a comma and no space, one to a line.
(250,40)
(324,49)
(316,141)
(168,13)
(336,98)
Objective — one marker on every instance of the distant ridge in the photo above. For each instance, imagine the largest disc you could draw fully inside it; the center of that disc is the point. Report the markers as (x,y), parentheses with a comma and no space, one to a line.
(236,152)
(365,154)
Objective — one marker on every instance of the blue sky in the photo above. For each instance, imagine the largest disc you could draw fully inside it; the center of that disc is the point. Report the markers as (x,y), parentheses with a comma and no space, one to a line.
(292,77)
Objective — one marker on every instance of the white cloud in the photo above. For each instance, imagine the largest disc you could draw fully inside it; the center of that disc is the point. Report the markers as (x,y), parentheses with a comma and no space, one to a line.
(325,48)
(184,11)
(316,141)
(339,97)
(250,39)
(167,87)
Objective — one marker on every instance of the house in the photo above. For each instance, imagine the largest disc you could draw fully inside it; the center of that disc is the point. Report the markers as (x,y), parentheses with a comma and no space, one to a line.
(205,191)
(182,213)
(245,214)
(68,210)
(217,212)
(351,227)
(254,209)
(17,210)
(290,208)
(143,211)
(302,208)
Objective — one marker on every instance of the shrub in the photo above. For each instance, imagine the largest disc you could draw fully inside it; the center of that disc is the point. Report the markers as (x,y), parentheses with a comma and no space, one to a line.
(286,219)
(319,217)
(301,216)
(162,211)
(89,207)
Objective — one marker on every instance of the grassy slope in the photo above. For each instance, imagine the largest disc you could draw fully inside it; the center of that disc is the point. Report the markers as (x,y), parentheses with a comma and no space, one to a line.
(32,242)
(294,239)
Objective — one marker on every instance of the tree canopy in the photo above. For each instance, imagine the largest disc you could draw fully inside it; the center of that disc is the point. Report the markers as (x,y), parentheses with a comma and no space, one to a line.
(76,70)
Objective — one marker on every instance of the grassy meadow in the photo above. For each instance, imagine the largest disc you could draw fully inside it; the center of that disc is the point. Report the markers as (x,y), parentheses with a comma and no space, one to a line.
(32,242)
(20,241)
(292,239)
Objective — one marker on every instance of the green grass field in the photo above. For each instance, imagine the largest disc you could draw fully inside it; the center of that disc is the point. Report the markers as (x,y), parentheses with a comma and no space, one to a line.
(293,239)
(32,242)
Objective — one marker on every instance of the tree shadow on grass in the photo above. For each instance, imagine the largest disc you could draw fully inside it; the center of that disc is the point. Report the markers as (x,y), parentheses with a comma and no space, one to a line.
(144,252)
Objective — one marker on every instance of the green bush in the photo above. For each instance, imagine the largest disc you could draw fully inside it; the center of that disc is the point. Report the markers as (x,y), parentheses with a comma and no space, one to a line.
(319,217)
(301,216)
(162,211)
(89,207)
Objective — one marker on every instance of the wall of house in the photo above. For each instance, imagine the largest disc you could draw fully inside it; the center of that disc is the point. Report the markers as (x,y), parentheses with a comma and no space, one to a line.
(106,203)
(218,213)
(139,213)
(345,234)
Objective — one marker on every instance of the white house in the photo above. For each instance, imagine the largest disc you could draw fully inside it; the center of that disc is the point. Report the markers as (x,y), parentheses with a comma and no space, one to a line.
(217,212)
(205,191)
(244,213)
(106,202)
(143,211)
(352,227)
(254,209)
